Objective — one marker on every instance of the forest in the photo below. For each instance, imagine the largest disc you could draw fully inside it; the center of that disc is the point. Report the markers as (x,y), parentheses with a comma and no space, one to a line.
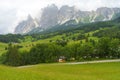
(104,48)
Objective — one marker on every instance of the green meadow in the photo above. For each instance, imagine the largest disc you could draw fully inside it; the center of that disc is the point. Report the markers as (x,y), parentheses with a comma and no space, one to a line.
(97,71)
(2,47)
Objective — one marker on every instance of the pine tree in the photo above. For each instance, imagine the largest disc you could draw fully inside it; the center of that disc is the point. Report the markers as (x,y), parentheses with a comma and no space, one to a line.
(12,56)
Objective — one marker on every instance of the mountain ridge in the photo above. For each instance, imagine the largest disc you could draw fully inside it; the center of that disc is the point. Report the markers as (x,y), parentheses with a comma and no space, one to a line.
(52,16)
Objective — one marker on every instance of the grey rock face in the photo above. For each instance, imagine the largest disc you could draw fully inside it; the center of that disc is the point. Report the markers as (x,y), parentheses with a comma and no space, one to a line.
(49,17)
(66,13)
(52,16)
(25,26)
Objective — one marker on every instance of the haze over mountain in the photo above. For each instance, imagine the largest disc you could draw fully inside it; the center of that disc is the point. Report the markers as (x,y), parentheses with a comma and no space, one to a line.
(51,16)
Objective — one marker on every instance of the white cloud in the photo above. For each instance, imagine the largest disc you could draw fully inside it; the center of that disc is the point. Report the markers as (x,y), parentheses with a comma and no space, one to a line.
(13,11)
(7,17)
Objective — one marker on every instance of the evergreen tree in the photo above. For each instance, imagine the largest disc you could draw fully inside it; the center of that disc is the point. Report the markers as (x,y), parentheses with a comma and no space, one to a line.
(12,56)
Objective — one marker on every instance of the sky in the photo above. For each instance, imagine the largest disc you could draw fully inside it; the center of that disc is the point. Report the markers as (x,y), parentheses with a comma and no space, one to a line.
(14,11)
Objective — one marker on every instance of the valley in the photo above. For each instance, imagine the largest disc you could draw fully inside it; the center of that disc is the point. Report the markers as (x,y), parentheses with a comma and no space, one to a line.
(61,42)
(83,43)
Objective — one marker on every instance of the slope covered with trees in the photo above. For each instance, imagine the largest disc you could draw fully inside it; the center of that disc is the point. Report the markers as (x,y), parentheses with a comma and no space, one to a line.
(104,48)
(99,40)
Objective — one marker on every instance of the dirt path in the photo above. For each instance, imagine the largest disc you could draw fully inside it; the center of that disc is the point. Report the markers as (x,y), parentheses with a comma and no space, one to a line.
(26,66)
(99,61)
(73,63)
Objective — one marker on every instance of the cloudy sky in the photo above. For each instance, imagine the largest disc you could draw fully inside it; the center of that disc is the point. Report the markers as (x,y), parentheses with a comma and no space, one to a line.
(13,11)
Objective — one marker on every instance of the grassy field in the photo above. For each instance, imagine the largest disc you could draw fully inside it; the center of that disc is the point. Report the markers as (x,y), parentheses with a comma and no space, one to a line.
(98,71)
(2,47)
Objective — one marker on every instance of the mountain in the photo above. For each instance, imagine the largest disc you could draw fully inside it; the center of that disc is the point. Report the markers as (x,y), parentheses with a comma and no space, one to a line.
(26,25)
(48,17)
(51,16)
(117,20)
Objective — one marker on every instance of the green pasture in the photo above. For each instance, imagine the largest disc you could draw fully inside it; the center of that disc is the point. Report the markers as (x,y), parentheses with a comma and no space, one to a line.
(97,71)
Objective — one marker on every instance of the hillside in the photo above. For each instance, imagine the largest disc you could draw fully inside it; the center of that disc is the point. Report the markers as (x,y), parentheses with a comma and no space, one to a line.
(2,48)
(70,32)
(98,40)
(61,29)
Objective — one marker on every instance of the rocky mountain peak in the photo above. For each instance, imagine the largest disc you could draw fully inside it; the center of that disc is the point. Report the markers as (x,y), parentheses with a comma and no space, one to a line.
(29,17)
(25,26)
(51,16)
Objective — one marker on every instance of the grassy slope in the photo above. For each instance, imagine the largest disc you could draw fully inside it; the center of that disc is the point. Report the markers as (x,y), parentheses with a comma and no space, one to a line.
(98,71)
(27,44)
(54,38)
(2,47)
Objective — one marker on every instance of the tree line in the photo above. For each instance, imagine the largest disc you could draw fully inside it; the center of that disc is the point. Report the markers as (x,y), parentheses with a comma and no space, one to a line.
(50,52)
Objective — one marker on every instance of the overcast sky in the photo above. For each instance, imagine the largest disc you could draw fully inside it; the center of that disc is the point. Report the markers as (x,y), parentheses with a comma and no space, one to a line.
(13,11)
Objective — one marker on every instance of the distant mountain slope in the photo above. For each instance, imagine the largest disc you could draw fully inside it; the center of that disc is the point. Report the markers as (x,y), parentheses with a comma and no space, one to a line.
(85,27)
(104,29)
(51,16)
(63,27)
